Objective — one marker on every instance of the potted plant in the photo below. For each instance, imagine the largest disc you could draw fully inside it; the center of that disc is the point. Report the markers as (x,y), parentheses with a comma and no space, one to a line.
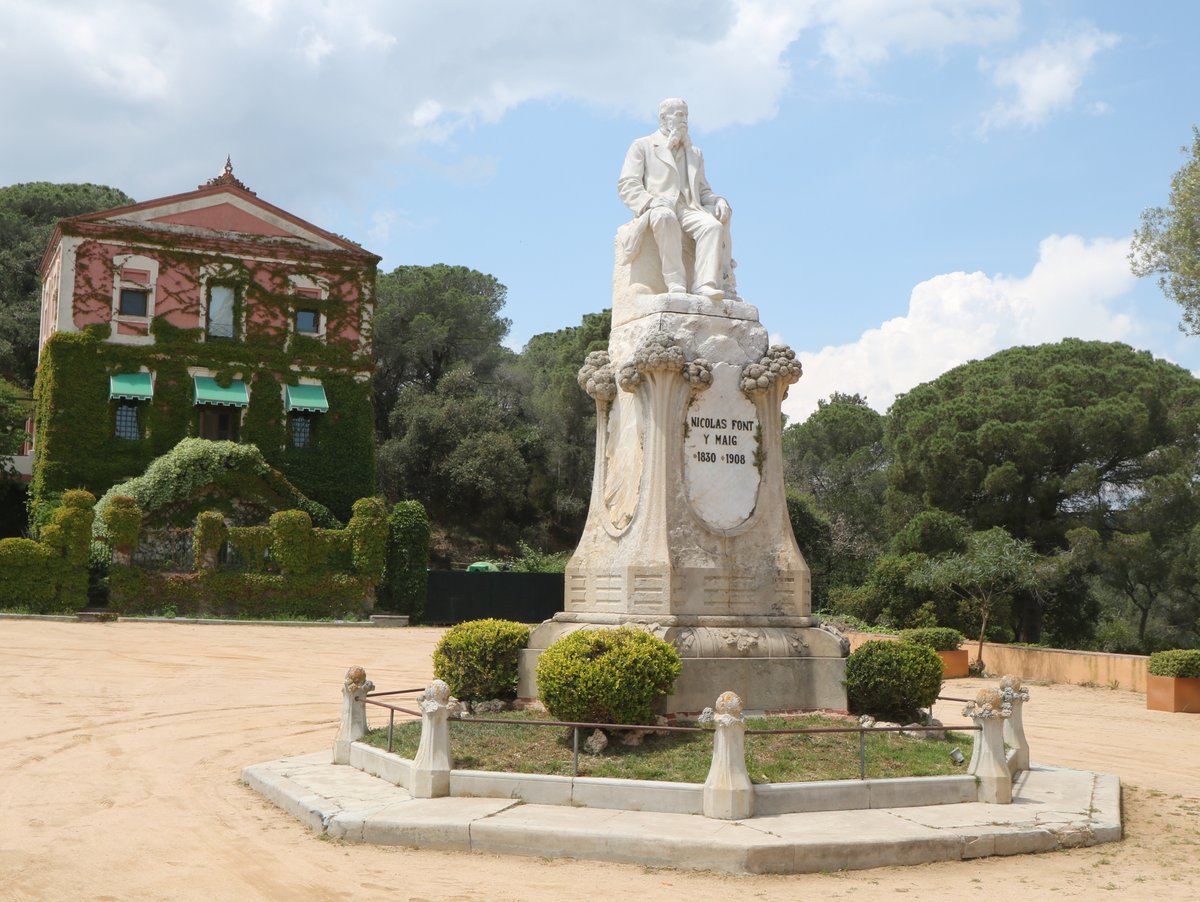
(945,641)
(1173,681)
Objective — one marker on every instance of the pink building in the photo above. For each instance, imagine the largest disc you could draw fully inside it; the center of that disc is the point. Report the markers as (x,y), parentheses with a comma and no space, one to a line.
(213,300)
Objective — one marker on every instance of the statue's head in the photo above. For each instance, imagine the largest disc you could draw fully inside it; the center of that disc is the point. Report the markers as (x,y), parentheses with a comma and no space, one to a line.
(673,114)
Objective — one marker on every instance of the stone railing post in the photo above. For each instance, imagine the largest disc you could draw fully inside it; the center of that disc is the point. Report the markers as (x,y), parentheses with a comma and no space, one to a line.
(1015,695)
(354,713)
(989,765)
(728,792)
(431,766)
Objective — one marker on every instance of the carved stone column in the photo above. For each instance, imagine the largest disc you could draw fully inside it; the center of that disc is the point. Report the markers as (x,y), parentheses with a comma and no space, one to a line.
(354,713)
(728,792)
(431,766)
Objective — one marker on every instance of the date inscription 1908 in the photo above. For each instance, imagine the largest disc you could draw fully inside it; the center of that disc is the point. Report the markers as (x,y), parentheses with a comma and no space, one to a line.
(723,435)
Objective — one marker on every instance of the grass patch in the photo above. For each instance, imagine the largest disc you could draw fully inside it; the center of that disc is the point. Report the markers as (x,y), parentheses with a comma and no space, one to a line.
(686,757)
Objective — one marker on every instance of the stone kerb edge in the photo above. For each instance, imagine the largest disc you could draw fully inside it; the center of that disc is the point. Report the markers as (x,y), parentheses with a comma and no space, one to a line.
(667,797)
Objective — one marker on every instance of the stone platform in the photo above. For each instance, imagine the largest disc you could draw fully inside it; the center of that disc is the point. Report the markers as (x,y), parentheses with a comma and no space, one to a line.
(1053,808)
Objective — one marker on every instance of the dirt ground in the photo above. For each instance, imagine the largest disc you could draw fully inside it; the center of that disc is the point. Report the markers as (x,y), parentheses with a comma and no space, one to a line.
(121,744)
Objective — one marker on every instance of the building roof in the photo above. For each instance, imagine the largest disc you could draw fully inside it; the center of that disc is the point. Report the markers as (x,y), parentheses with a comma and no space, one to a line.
(221,211)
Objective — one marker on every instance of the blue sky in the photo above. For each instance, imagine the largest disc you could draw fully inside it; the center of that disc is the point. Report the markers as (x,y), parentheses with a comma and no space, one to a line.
(915,183)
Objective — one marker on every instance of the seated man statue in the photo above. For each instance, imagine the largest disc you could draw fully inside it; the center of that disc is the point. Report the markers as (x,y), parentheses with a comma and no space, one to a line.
(663,183)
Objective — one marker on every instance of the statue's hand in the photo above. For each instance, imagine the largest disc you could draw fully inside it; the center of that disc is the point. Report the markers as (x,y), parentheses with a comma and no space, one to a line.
(721,210)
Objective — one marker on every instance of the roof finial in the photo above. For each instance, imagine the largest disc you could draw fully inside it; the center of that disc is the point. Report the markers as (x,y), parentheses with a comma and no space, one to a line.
(227,178)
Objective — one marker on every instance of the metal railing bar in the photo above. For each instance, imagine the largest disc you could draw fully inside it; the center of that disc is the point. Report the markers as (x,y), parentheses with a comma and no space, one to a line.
(392,692)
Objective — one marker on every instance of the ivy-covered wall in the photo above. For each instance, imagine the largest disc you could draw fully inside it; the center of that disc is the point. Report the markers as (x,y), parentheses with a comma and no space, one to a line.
(74,423)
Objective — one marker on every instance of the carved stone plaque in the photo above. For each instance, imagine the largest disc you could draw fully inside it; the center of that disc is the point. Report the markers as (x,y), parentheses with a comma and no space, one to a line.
(721,456)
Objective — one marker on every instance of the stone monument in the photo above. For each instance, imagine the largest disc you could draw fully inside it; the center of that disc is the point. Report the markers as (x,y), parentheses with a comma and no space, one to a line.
(688,533)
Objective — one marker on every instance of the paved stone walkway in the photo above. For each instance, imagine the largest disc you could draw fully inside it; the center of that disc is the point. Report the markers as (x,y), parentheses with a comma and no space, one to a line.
(1053,808)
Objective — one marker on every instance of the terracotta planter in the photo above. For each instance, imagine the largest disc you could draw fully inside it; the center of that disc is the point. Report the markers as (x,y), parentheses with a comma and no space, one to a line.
(954,663)
(1173,693)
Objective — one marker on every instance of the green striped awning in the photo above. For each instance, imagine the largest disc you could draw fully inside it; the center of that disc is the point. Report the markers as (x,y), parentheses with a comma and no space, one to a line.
(306,398)
(209,392)
(133,386)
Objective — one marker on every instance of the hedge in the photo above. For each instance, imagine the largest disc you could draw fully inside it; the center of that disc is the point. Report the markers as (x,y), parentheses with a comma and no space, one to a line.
(1178,662)
(939,638)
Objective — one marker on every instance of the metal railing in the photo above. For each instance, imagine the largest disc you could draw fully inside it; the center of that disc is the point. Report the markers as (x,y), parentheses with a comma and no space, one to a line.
(862,731)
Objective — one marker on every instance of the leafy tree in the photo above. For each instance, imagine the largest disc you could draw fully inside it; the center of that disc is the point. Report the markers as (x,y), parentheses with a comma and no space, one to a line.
(932,532)
(564,418)
(1168,241)
(984,576)
(1152,565)
(815,538)
(430,319)
(837,457)
(28,213)
(14,410)
(460,450)
(1041,440)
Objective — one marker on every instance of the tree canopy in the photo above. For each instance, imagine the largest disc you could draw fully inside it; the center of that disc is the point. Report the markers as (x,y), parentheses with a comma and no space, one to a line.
(429,319)
(837,457)
(1043,439)
(1168,241)
(28,213)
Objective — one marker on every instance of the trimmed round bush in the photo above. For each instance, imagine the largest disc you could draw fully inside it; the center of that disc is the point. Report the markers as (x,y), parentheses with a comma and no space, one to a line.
(892,680)
(606,676)
(939,638)
(1179,662)
(478,659)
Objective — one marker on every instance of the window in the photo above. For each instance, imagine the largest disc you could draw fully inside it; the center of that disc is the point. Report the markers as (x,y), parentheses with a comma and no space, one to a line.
(127,421)
(219,424)
(220,311)
(308,322)
(301,430)
(134,278)
(134,302)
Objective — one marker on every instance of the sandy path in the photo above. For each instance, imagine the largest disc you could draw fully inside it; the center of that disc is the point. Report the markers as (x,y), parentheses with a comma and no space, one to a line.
(120,747)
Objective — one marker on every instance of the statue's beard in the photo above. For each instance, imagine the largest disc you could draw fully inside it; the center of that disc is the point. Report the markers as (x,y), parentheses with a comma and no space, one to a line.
(678,137)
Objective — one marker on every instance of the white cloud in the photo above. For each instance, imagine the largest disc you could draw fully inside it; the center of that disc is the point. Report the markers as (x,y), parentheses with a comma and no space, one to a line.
(1045,78)
(962,316)
(145,95)
(859,34)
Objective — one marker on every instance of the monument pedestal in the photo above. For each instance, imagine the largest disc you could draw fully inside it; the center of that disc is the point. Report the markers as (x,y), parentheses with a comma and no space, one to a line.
(688,534)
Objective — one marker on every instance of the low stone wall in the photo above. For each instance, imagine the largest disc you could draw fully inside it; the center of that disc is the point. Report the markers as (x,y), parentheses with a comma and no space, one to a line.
(1054,665)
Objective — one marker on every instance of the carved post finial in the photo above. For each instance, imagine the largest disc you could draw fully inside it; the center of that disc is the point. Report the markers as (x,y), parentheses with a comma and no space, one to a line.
(988,763)
(355,687)
(728,792)
(1015,695)
(431,765)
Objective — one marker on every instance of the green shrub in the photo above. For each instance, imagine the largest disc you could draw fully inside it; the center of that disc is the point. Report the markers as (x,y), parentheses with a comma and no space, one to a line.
(939,638)
(606,676)
(478,659)
(368,528)
(892,680)
(208,538)
(200,472)
(409,536)
(123,523)
(26,575)
(533,560)
(1178,662)
(294,547)
(70,529)
(251,543)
